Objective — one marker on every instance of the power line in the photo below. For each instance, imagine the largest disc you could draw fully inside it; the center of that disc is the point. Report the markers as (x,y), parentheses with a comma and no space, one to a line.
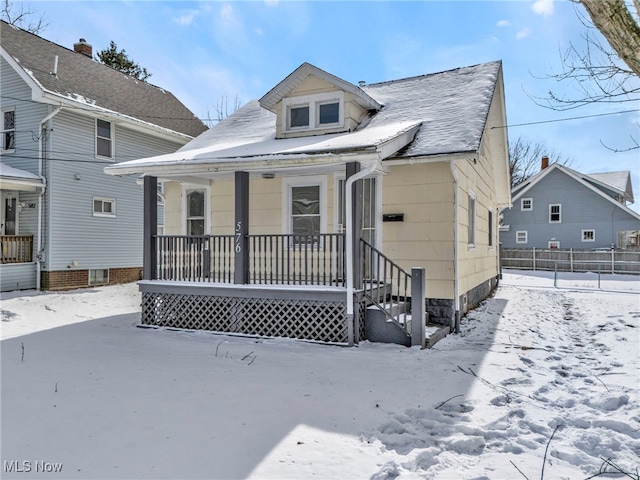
(566,119)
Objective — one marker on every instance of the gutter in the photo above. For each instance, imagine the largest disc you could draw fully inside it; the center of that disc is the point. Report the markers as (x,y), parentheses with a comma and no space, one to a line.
(42,130)
(349,250)
(456,235)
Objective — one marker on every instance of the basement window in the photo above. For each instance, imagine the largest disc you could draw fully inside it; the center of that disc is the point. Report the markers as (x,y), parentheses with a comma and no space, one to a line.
(99,277)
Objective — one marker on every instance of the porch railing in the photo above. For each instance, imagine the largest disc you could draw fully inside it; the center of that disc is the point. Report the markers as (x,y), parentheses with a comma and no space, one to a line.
(297,259)
(273,259)
(16,248)
(386,284)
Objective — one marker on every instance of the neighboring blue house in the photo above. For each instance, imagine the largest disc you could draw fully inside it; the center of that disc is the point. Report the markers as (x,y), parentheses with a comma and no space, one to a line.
(562,208)
(63,222)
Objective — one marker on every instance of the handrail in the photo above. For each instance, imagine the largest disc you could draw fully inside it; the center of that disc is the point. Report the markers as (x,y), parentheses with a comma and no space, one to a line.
(387,280)
(16,248)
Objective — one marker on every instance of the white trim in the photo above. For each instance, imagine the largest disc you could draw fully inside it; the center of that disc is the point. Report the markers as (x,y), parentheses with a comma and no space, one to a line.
(378,207)
(472,217)
(89,282)
(303,181)
(10,108)
(186,188)
(524,234)
(582,235)
(522,206)
(553,244)
(313,102)
(104,200)
(111,139)
(559,205)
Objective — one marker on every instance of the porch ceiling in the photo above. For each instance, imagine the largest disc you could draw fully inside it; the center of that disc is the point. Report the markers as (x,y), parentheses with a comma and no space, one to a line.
(15,179)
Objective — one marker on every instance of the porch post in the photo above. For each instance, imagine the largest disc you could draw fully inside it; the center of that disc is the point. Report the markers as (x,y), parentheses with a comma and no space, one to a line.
(241,229)
(351,169)
(150,226)
(356,209)
(417,307)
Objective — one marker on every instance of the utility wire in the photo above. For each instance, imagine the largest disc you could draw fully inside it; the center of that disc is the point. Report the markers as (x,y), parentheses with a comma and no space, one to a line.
(566,119)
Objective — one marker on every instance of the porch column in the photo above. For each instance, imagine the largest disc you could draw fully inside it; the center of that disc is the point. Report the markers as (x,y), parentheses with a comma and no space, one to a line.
(351,169)
(150,229)
(241,229)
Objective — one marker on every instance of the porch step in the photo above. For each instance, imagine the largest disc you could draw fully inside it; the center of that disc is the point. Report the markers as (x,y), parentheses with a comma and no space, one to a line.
(379,328)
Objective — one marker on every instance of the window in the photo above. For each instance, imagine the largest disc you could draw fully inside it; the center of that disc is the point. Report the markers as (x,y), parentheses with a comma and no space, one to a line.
(522,236)
(195,212)
(305,212)
(8,129)
(104,139)
(104,207)
(588,235)
(554,244)
(98,277)
(472,220)
(526,204)
(554,213)
(311,112)
(490,226)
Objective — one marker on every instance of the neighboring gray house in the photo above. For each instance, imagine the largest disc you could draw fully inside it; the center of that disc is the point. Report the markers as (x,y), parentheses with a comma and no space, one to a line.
(63,222)
(562,208)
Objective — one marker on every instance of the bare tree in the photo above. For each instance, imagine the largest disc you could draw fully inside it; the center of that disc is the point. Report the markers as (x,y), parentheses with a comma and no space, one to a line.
(222,110)
(598,72)
(525,159)
(20,18)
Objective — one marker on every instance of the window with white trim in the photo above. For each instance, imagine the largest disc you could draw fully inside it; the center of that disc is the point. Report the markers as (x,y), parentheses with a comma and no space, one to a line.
(555,213)
(195,212)
(8,129)
(553,244)
(304,208)
(104,139)
(104,207)
(472,220)
(522,236)
(589,235)
(312,112)
(526,204)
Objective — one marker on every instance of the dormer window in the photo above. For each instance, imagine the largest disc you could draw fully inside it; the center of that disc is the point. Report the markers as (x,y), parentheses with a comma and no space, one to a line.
(313,112)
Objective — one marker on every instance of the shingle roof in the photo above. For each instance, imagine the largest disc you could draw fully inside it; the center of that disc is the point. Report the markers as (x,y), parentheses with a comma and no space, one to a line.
(88,82)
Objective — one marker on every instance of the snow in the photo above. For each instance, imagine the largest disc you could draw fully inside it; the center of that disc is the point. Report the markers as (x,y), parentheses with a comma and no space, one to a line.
(540,377)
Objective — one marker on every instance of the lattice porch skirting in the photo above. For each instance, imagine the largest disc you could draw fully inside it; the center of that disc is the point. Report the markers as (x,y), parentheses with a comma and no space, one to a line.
(302,312)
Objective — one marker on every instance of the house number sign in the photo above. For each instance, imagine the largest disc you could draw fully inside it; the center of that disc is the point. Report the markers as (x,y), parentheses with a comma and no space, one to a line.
(238,237)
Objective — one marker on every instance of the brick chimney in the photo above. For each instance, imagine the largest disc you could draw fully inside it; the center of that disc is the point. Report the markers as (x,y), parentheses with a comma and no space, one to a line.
(84,48)
(545,163)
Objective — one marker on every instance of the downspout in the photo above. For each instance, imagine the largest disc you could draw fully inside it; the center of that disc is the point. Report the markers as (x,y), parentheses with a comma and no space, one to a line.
(349,250)
(42,130)
(456,273)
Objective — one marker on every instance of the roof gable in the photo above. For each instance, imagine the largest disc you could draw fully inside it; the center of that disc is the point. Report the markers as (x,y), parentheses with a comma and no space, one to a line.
(81,80)
(296,78)
(528,184)
(619,182)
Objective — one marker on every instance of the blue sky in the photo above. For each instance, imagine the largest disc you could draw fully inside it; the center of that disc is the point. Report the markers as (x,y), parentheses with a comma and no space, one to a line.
(206,51)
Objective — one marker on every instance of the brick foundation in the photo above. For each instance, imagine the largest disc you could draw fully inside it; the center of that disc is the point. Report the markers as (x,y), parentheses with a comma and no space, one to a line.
(67,279)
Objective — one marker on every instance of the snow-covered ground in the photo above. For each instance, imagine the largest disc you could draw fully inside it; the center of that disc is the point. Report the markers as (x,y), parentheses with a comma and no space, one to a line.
(538,372)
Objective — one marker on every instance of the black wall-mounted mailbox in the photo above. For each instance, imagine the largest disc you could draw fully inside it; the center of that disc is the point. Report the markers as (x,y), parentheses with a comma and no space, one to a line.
(393,217)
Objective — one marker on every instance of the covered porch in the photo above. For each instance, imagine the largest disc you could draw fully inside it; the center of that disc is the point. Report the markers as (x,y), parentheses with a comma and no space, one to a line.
(20,224)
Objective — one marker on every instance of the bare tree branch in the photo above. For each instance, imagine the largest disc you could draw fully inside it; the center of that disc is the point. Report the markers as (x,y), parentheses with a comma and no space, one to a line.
(525,158)
(19,18)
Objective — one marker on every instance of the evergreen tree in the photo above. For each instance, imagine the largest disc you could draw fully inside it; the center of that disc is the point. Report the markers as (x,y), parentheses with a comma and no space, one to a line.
(121,62)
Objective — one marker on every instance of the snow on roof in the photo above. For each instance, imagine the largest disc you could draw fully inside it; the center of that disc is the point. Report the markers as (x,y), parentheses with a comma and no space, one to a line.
(617,180)
(7,171)
(451,106)
(12,178)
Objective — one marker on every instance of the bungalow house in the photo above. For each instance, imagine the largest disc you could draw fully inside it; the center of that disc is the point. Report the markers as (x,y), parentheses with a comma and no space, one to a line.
(332,211)
(560,208)
(63,222)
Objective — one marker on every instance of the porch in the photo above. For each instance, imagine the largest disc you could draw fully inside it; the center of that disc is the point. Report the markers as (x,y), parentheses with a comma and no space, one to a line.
(16,249)
(294,286)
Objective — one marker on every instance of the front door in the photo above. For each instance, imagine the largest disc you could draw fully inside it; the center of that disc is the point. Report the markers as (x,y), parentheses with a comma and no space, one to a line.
(9,214)
(368,213)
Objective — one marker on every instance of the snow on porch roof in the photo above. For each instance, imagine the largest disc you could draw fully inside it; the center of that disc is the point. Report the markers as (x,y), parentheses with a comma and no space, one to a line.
(376,143)
(15,179)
